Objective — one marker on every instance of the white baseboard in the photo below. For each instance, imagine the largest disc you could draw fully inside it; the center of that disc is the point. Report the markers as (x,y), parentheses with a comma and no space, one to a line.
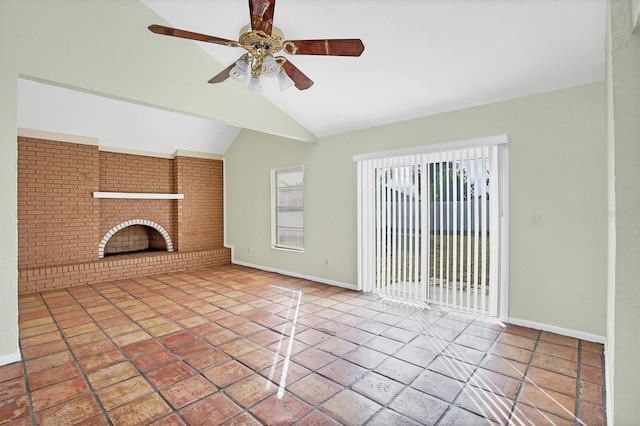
(10,358)
(296,275)
(558,330)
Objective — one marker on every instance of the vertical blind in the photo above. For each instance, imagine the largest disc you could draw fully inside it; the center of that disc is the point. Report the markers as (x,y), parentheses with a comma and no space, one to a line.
(429,227)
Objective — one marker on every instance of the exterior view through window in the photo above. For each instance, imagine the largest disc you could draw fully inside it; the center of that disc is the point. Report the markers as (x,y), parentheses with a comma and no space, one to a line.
(287,200)
(431,227)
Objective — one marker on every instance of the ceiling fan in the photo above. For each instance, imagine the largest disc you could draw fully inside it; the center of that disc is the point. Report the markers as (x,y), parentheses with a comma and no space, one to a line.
(262,40)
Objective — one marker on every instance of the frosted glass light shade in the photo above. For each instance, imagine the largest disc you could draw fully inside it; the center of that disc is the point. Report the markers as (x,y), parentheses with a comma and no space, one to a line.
(284,80)
(239,71)
(270,67)
(255,84)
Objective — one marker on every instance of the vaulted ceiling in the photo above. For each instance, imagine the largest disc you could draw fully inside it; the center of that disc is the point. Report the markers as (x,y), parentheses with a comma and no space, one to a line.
(421,58)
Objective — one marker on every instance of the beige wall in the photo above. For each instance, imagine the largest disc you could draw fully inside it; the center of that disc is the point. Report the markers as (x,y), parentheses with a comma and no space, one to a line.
(623,313)
(558,171)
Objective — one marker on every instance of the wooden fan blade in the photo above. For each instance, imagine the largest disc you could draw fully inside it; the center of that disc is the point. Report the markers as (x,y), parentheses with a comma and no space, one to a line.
(335,47)
(262,15)
(222,75)
(301,81)
(174,32)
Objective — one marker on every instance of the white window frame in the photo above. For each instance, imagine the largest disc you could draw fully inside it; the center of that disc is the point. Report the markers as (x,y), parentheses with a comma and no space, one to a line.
(274,212)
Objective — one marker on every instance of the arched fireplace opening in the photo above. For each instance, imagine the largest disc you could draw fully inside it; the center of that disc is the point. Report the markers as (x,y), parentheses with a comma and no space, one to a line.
(135,236)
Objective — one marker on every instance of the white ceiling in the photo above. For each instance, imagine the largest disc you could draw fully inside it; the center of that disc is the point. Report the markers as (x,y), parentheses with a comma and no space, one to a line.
(421,58)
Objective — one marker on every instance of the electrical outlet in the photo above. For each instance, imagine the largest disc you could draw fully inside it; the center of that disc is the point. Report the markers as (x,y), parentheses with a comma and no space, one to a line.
(326,261)
(248,250)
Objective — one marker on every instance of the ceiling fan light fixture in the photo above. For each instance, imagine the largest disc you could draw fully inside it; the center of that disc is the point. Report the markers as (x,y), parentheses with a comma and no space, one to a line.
(270,68)
(284,80)
(255,84)
(239,71)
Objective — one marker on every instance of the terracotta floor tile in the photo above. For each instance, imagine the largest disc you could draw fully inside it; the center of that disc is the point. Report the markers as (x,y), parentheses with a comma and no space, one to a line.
(522,331)
(251,390)
(553,381)
(188,391)
(592,414)
(48,361)
(558,365)
(13,409)
(314,389)
(529,415)
(176,328)
(281,409)
(415,355)
(123,392)
(225,374)
(378,388)
(485,403)
(163,329)
(438,385)
(336,346)
(140,411)
(35,331)
(547,400)
(37,351)
(170,420)
(104,359)
(51,376)
(497,383)
(41,339)
(312,337)
(313,358)
(559,339)
(212,410)
(591,358)
(60,392)
(457,416)
(592,392)
(342,372)
(317,418)
(144,347)
(169,374)
(128,339)
(292,374)
(419,406)
(591,374)
(71,412)
(479,331)
(259,359)
(11,389)
(350,408)
(110,375)
(597,348)
(206,328)
(207,359)
(11,371)
(504,366)
(558,351)
(453,368)
(93,348)
(511,352)
(238,347)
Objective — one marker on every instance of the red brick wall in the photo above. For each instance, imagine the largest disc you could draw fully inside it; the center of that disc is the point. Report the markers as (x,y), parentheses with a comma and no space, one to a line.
(61,224)
(201,212)
(56,210)
(136,173)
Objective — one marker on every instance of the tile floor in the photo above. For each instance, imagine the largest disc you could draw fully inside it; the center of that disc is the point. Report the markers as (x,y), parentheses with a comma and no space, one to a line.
(237,346)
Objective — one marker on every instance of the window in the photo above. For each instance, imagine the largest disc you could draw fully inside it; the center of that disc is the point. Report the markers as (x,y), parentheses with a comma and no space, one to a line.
(287,207)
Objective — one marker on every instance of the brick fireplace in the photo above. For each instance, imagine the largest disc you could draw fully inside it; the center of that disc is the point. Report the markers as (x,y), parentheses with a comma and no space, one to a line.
(167,209)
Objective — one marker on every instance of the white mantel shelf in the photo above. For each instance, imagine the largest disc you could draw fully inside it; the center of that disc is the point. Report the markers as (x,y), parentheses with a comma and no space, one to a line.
(138,195)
